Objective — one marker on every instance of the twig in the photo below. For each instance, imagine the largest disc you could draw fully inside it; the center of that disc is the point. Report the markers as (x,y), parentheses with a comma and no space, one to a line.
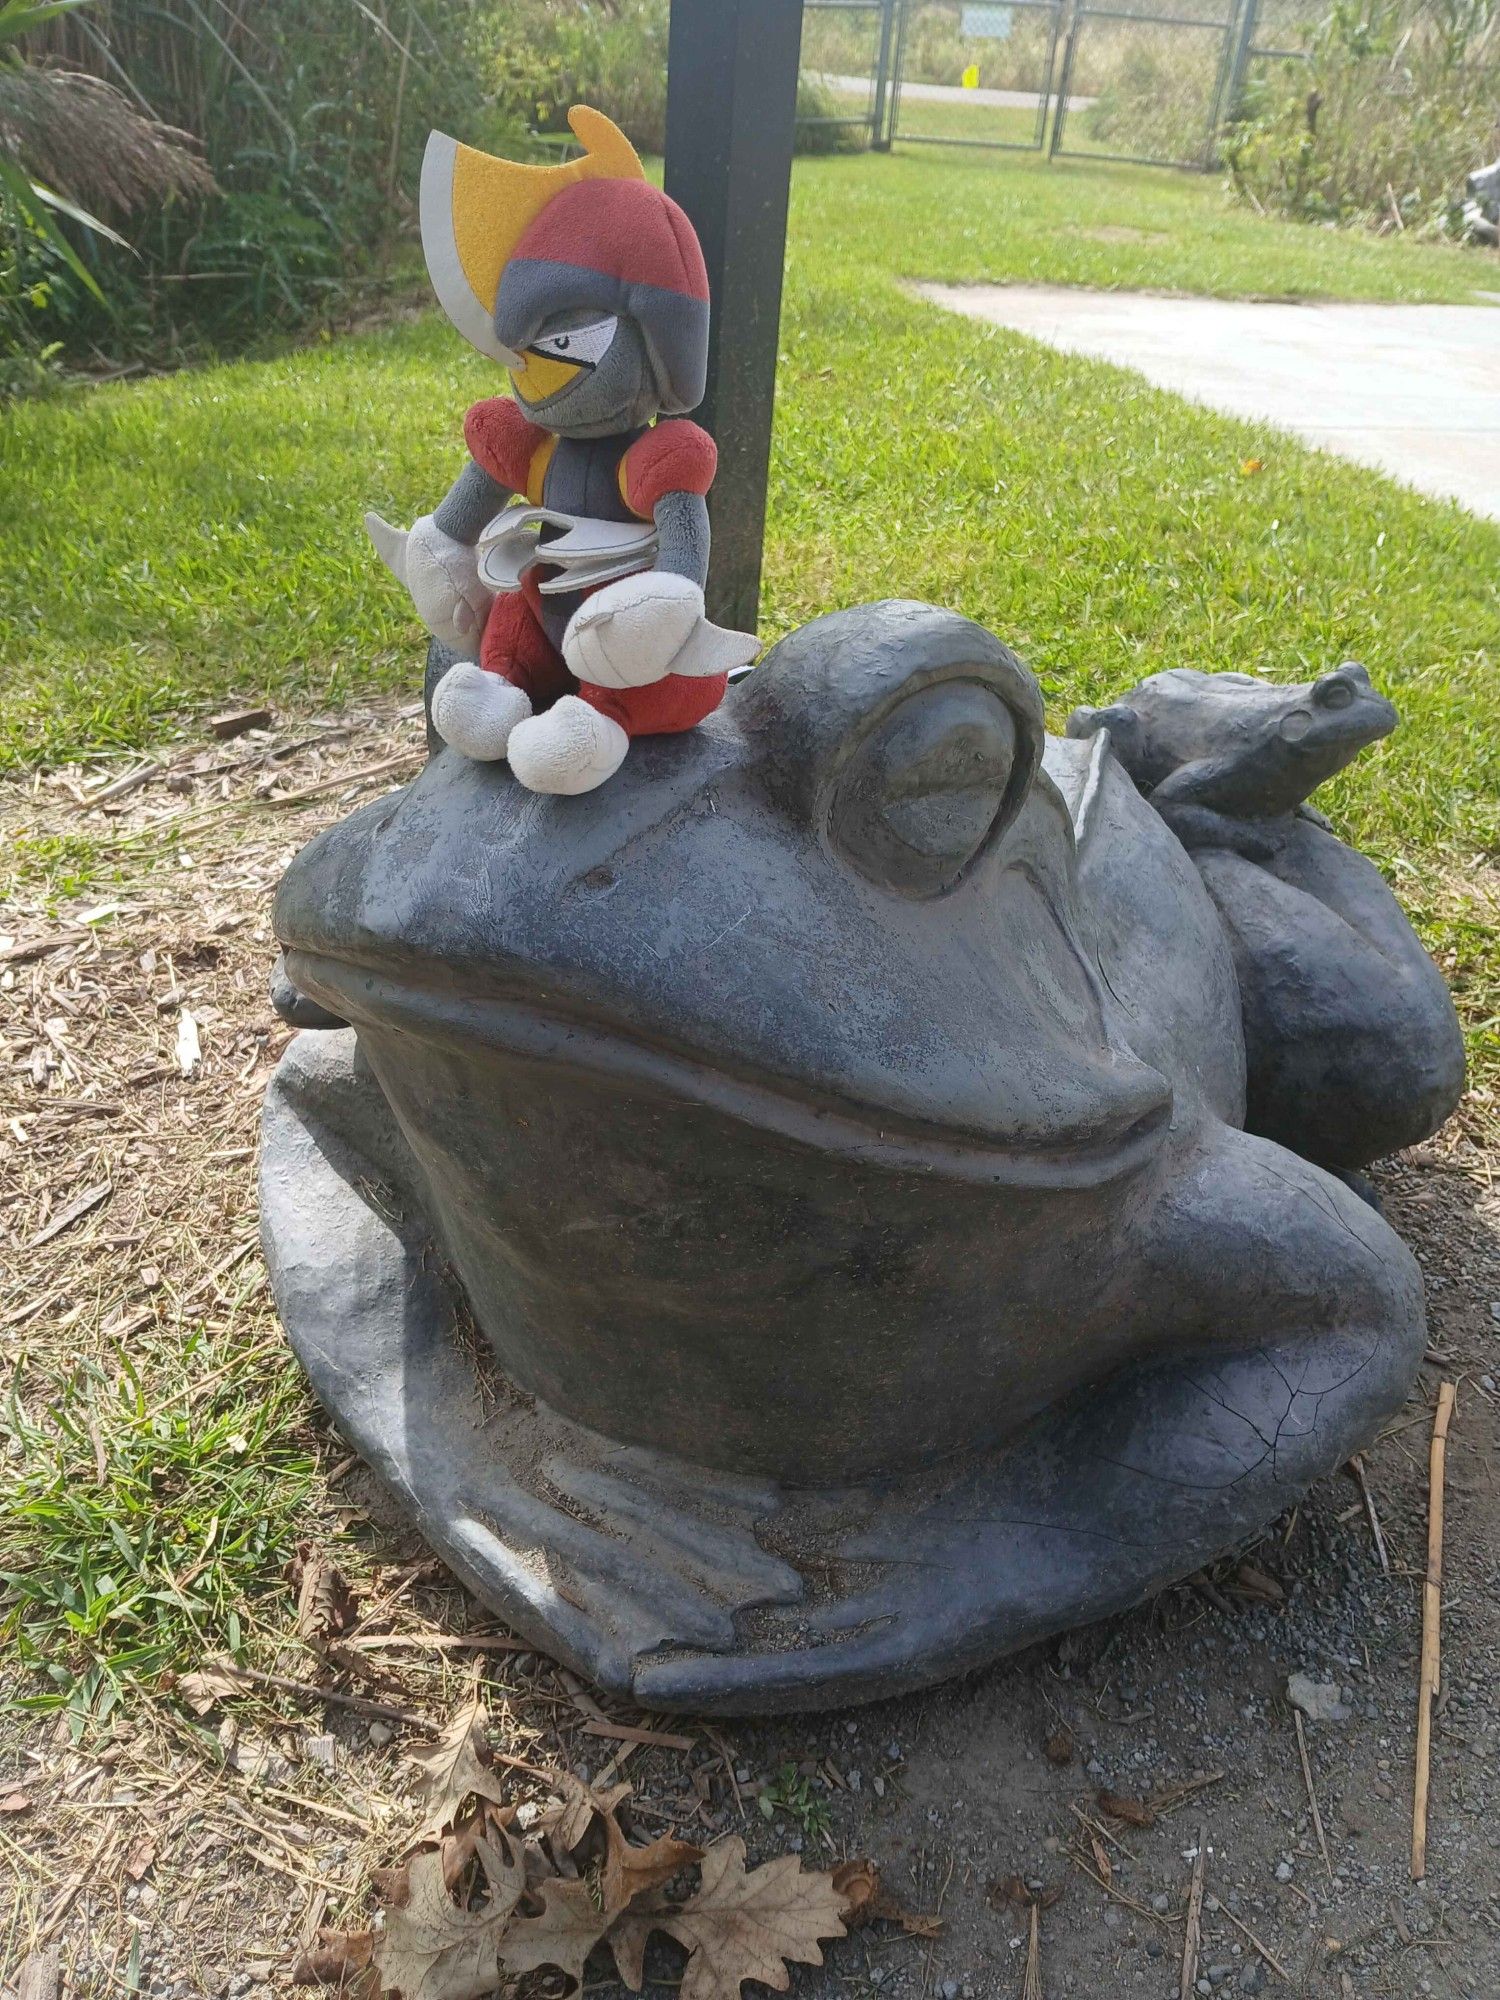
(1358,1464)
(63,1901)
(1141,1909)
(622,1732)
(343,778)
(436,1642)
(1312,1797)
(1172,1796)
(1194,1930)
(1031,1985)
(1275,1963)
(285,1685)
(1432,1599)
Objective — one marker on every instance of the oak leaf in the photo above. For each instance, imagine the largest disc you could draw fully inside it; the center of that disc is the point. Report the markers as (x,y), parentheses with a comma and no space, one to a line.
(743,1925)
(570,1925)
(456,1767)
(568,1820)
(629,1871)
(430,1948)
(627,1940)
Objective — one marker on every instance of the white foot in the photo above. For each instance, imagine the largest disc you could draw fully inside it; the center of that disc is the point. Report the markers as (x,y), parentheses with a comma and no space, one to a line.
(570,749)
(475,711)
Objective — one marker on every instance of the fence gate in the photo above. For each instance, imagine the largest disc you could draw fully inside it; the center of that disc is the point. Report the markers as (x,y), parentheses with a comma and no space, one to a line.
(1143,85)
(967,75)
(843,80)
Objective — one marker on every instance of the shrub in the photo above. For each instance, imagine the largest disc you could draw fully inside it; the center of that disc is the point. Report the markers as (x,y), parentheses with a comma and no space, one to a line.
(1394,104)
(313,121)
(544,55)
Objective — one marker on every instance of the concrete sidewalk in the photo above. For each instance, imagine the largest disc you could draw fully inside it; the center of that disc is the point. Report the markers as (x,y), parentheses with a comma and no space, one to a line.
(1411,390)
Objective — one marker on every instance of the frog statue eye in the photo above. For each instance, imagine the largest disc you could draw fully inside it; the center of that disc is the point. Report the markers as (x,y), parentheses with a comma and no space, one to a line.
(927,788)
(585,346)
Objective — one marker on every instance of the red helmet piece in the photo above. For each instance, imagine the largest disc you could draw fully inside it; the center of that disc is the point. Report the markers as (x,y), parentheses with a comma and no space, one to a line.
(623,247)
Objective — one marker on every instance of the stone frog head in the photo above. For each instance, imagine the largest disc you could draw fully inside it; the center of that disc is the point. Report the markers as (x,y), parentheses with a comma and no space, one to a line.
(779,1081)
(811,1104)
(1236,745)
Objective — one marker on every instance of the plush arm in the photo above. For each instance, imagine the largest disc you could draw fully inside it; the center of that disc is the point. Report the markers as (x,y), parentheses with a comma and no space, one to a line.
(472,502)
(682,536)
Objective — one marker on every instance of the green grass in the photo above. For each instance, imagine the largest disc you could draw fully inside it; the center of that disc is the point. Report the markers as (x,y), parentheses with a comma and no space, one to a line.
(136,1527)
(175,542)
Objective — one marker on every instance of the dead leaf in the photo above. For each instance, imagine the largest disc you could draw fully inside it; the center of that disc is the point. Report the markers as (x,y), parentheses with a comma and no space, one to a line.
(629,1871)
(628,1936)
(326,1606)
(202,1689)
(1134,1812)
(432,1950)
(568,1821)
(456,1767)
(743,1925)
(570,1925)
(1250,1580)
(1101,1860)
(15,1802)
(189,1049)
(339,1958)
(1059,1745)
(140,1858)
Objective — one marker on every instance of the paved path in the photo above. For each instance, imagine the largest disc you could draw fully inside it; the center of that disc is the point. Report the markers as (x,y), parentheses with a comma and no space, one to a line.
(1412,390)
(949,93)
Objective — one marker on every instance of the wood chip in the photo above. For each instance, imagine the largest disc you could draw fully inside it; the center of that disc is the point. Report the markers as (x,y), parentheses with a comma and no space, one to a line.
(235,722)
(74,1212)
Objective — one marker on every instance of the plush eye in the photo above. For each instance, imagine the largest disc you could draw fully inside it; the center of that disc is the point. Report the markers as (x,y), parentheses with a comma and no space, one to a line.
(587,345)
(926,788)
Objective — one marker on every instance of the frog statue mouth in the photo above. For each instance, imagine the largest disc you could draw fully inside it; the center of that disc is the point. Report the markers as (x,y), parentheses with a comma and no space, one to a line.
(836,1103)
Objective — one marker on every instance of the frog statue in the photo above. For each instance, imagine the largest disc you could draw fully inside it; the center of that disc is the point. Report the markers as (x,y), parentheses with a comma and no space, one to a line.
(871,1186)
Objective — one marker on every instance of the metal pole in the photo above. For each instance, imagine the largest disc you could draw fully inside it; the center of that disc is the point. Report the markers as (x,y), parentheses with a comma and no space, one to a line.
(1249,22)
(731,115)
(879,138)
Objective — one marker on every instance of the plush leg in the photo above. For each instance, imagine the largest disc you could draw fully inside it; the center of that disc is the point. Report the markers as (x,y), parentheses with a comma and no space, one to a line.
(572,748)
(674,703)
(475,711)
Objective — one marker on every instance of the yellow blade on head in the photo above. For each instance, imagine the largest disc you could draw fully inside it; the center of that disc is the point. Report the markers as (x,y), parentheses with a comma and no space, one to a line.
(474,209)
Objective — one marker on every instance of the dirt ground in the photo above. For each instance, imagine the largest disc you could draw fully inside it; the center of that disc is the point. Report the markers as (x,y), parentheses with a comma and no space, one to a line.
(170,1852)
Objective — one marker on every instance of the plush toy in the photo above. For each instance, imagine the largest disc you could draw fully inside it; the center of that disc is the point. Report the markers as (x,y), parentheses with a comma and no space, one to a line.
(566,564)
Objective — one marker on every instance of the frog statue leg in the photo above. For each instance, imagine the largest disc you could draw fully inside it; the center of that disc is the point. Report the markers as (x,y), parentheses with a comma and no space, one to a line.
(1352,1045)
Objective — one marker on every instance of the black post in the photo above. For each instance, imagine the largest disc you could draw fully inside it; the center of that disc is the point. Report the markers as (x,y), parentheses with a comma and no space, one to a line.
(731,112)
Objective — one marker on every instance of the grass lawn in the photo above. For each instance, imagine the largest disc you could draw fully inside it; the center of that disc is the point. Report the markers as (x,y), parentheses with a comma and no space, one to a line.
(175,542)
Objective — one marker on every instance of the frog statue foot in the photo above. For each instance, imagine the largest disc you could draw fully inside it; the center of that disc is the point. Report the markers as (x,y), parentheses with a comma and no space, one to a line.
(785,1225)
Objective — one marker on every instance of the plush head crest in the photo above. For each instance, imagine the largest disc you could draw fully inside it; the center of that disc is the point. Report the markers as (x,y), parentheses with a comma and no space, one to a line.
(475,209)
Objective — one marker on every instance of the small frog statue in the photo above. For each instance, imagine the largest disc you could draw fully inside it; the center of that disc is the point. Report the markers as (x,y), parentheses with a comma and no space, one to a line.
(565,567)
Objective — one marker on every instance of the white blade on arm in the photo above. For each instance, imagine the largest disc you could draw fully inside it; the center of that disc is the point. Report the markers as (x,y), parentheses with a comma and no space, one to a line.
(390,545)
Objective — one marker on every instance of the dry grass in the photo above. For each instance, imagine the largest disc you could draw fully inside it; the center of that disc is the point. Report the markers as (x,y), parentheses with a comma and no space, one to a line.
(143,1840)
(148,1841)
